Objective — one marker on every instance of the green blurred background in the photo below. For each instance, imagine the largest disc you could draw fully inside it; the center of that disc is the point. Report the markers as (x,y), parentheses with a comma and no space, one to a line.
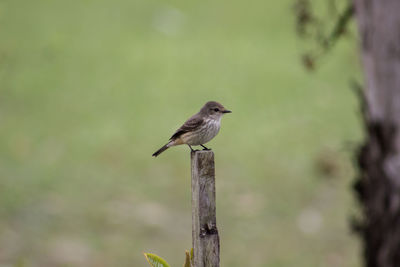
(90,89)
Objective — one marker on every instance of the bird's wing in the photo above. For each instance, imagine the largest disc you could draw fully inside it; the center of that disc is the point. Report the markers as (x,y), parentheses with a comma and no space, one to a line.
(190,125)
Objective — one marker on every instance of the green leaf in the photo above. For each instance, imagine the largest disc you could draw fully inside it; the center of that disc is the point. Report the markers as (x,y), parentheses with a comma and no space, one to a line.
(155,261)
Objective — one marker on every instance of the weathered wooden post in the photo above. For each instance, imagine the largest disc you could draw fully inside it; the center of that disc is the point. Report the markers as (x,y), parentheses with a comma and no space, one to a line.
(205,238)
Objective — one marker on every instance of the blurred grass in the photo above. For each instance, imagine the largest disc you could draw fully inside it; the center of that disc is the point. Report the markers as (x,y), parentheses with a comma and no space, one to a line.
(90,89)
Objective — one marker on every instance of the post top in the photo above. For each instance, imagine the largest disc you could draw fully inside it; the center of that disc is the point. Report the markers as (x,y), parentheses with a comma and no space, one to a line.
(202,152)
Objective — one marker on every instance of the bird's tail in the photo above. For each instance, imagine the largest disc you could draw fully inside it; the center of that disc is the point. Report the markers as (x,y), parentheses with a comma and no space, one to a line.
(161,150)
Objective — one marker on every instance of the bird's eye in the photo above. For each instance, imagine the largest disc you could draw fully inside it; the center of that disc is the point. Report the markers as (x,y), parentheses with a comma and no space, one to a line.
(216,109)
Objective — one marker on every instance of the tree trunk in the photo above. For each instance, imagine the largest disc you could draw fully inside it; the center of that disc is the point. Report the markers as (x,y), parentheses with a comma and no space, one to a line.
(378,186)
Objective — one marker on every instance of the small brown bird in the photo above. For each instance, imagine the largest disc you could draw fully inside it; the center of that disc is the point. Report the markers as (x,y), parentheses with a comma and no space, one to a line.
(199,129)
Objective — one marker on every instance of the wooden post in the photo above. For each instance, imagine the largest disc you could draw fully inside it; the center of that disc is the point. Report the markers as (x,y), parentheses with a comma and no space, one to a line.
(205,237)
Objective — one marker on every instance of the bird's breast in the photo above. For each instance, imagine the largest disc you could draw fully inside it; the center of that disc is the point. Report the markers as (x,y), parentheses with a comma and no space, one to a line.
(208,130)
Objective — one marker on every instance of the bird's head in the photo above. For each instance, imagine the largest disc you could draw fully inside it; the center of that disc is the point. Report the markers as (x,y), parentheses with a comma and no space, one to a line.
(214,110)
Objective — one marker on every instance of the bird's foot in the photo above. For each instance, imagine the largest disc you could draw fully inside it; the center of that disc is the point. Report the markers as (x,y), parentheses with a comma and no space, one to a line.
(191,149)
(205,148)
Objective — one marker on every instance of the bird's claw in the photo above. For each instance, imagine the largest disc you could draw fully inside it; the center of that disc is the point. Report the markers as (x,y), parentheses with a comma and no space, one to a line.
(205,148)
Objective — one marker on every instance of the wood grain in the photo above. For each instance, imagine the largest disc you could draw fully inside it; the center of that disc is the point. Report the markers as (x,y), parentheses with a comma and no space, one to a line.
(205,236)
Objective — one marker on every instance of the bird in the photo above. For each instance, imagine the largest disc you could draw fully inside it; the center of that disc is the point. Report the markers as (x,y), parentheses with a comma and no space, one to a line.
(198,129)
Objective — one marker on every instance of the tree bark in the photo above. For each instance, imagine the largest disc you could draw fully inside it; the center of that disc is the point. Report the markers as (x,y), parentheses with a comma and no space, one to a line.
(378,185)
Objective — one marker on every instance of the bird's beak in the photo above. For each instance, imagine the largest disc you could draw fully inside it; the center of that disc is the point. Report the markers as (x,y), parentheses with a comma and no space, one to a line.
(226,111)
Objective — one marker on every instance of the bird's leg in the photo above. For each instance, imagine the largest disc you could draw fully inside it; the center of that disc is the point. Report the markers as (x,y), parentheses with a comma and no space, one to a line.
(205,148)
(191,148)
